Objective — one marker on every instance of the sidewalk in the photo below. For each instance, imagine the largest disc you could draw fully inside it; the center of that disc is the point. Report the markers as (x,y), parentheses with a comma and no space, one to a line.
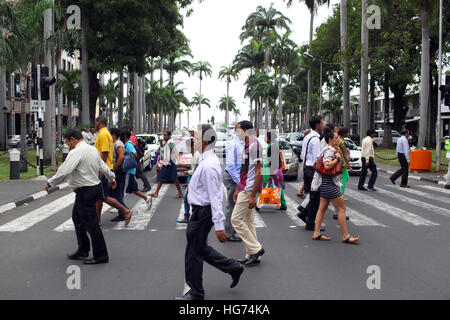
(17,193)
(433,177)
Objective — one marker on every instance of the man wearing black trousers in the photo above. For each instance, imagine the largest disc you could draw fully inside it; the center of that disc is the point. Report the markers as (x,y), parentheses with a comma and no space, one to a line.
(205,197)
(81,168)
(310,153)
(402,150)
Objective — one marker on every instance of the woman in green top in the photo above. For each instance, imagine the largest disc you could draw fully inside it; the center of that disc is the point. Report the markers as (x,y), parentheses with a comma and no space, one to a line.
(273,170)
(345,156)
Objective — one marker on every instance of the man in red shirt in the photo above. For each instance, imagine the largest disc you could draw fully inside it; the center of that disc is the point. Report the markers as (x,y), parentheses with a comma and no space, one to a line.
(139,170)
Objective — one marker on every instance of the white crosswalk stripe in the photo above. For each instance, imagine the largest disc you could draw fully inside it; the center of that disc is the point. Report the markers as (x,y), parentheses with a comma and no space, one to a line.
(438,189)
(358,219)
(141,215)
(420,204)
(424,194)
(181,226)
(391,210)
(30,219)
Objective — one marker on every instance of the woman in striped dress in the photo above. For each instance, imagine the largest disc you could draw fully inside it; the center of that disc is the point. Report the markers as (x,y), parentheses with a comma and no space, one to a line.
(330,189)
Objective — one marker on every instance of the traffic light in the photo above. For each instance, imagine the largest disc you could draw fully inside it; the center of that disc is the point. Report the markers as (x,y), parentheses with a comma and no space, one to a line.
(445,91)
(46,82)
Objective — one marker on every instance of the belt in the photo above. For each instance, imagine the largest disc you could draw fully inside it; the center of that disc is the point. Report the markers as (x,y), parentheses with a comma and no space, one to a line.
(77,190)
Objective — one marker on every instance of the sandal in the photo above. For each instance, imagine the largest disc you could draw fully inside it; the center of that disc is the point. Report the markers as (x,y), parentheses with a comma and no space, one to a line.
(127,220)
(301,195)
(350,242)
(322,238)
(179,196)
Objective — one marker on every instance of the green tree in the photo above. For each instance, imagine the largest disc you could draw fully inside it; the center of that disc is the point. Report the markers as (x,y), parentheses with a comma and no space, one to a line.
(199,100)
(228,73)
(202,68)
(70,84)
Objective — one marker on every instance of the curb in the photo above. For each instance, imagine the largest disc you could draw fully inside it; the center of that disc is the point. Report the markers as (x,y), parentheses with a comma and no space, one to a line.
(39,195)
(437,181)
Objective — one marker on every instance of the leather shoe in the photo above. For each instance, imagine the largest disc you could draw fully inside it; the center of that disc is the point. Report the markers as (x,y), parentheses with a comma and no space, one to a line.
(447,186)
(77,255)
(147,189)
(302,216)
(188,296)
(236,275)
(362,189)
(243,261)
(312,226)
(234,238)
(254,258)
(392,180)
(404,186)
(96,261)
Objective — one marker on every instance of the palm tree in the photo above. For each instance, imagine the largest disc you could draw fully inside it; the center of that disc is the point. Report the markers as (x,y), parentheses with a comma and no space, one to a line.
(109,92)
(22,45)
(345,76)
(201,67)
(70,84)
(284,50)
(199,100)
(259,26)
(227,103)
(228,72)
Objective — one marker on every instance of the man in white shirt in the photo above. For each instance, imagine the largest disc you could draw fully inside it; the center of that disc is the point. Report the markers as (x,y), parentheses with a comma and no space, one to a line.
(402,151)
(81,168)
(205,197)
(87,138)
(367,160)
(311,150)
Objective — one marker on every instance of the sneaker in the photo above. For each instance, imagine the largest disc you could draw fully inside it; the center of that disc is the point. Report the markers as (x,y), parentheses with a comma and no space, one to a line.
(114,210)
(149,202)
(146,189)
(182,221)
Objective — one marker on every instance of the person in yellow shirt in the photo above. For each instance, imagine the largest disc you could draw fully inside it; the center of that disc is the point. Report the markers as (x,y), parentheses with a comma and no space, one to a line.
(105,146)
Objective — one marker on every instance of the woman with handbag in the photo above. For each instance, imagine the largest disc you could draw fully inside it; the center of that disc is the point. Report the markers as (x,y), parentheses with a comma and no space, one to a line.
(327,176)
(132,182)
(168,173)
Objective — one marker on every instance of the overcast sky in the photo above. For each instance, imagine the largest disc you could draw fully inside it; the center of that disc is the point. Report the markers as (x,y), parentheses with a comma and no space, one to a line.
(213,31)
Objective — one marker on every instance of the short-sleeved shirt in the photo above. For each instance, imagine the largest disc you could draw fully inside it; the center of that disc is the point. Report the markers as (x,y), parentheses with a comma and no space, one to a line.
(129,147)
(117,144)
(250,157)
(104,143)
(343,152)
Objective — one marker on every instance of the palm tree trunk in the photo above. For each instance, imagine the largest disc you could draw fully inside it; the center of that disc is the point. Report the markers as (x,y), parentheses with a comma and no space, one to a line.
(251,111)
(23,124)
(70,113)
(310,79)
(120,107)
(344,45)
(424,74)
(85,113)
(226,112)
(364,99)
(200,102)
(110,121)
(280,103)
(136,102)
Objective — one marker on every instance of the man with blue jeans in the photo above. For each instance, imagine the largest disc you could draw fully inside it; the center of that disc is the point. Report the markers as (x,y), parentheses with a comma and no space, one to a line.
(231,177)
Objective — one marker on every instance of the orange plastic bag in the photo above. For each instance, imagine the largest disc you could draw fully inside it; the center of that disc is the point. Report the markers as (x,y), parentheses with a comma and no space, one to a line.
(270,198)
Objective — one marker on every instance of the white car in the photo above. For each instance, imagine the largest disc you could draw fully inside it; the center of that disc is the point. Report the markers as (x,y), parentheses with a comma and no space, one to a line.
(150,150)
(378,140)
(290,158)
(355,155)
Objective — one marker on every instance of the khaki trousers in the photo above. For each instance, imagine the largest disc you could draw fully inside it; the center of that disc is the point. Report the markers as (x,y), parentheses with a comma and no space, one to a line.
(243,221)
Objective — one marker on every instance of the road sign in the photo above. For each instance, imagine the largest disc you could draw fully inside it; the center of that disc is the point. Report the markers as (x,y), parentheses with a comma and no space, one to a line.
(36,106)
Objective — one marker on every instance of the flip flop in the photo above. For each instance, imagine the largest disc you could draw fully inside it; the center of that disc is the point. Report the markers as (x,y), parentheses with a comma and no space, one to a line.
(321,238)
(179,196)
(301,196)
(127,220)
(348,240)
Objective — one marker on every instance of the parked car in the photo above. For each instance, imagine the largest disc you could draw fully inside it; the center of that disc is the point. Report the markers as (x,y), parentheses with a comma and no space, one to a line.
(295,139)
(152,146)
(222,142)
(14,141)
(378,140)
(290,158)
(355,155)
(185,156)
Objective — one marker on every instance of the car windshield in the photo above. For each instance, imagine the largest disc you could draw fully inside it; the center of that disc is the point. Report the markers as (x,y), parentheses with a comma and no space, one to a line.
(350,145)
(148,139)
(182,145)
(283,144)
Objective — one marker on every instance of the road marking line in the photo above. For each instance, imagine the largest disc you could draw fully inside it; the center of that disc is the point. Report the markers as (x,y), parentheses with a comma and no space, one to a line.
(446,191)
(428,207)
(68,224)
(424,194)
(28,220)
(359,219)
(291,212)
(141,216)
(393,211)
(181,226)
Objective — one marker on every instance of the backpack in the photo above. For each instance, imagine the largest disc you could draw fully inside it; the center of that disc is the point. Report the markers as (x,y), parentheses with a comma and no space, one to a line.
(141,147)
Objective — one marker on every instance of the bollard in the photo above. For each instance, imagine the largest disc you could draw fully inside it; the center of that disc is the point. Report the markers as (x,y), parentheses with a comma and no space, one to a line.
(65,151)
(14,164)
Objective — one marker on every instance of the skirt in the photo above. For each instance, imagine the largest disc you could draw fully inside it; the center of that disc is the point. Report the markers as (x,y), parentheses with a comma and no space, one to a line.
(328,189)
(168,173)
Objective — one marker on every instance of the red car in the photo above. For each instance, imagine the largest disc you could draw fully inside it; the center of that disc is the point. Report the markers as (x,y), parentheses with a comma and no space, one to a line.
(185,157)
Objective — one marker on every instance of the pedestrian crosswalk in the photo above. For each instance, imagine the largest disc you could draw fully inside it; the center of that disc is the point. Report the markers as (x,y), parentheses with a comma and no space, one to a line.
(390,206)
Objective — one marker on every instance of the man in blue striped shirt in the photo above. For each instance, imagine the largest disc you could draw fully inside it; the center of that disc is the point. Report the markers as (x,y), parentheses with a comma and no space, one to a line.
(402,151)
(231,177)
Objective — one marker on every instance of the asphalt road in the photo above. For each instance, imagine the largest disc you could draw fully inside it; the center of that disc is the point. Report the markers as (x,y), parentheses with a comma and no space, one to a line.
(403,233)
